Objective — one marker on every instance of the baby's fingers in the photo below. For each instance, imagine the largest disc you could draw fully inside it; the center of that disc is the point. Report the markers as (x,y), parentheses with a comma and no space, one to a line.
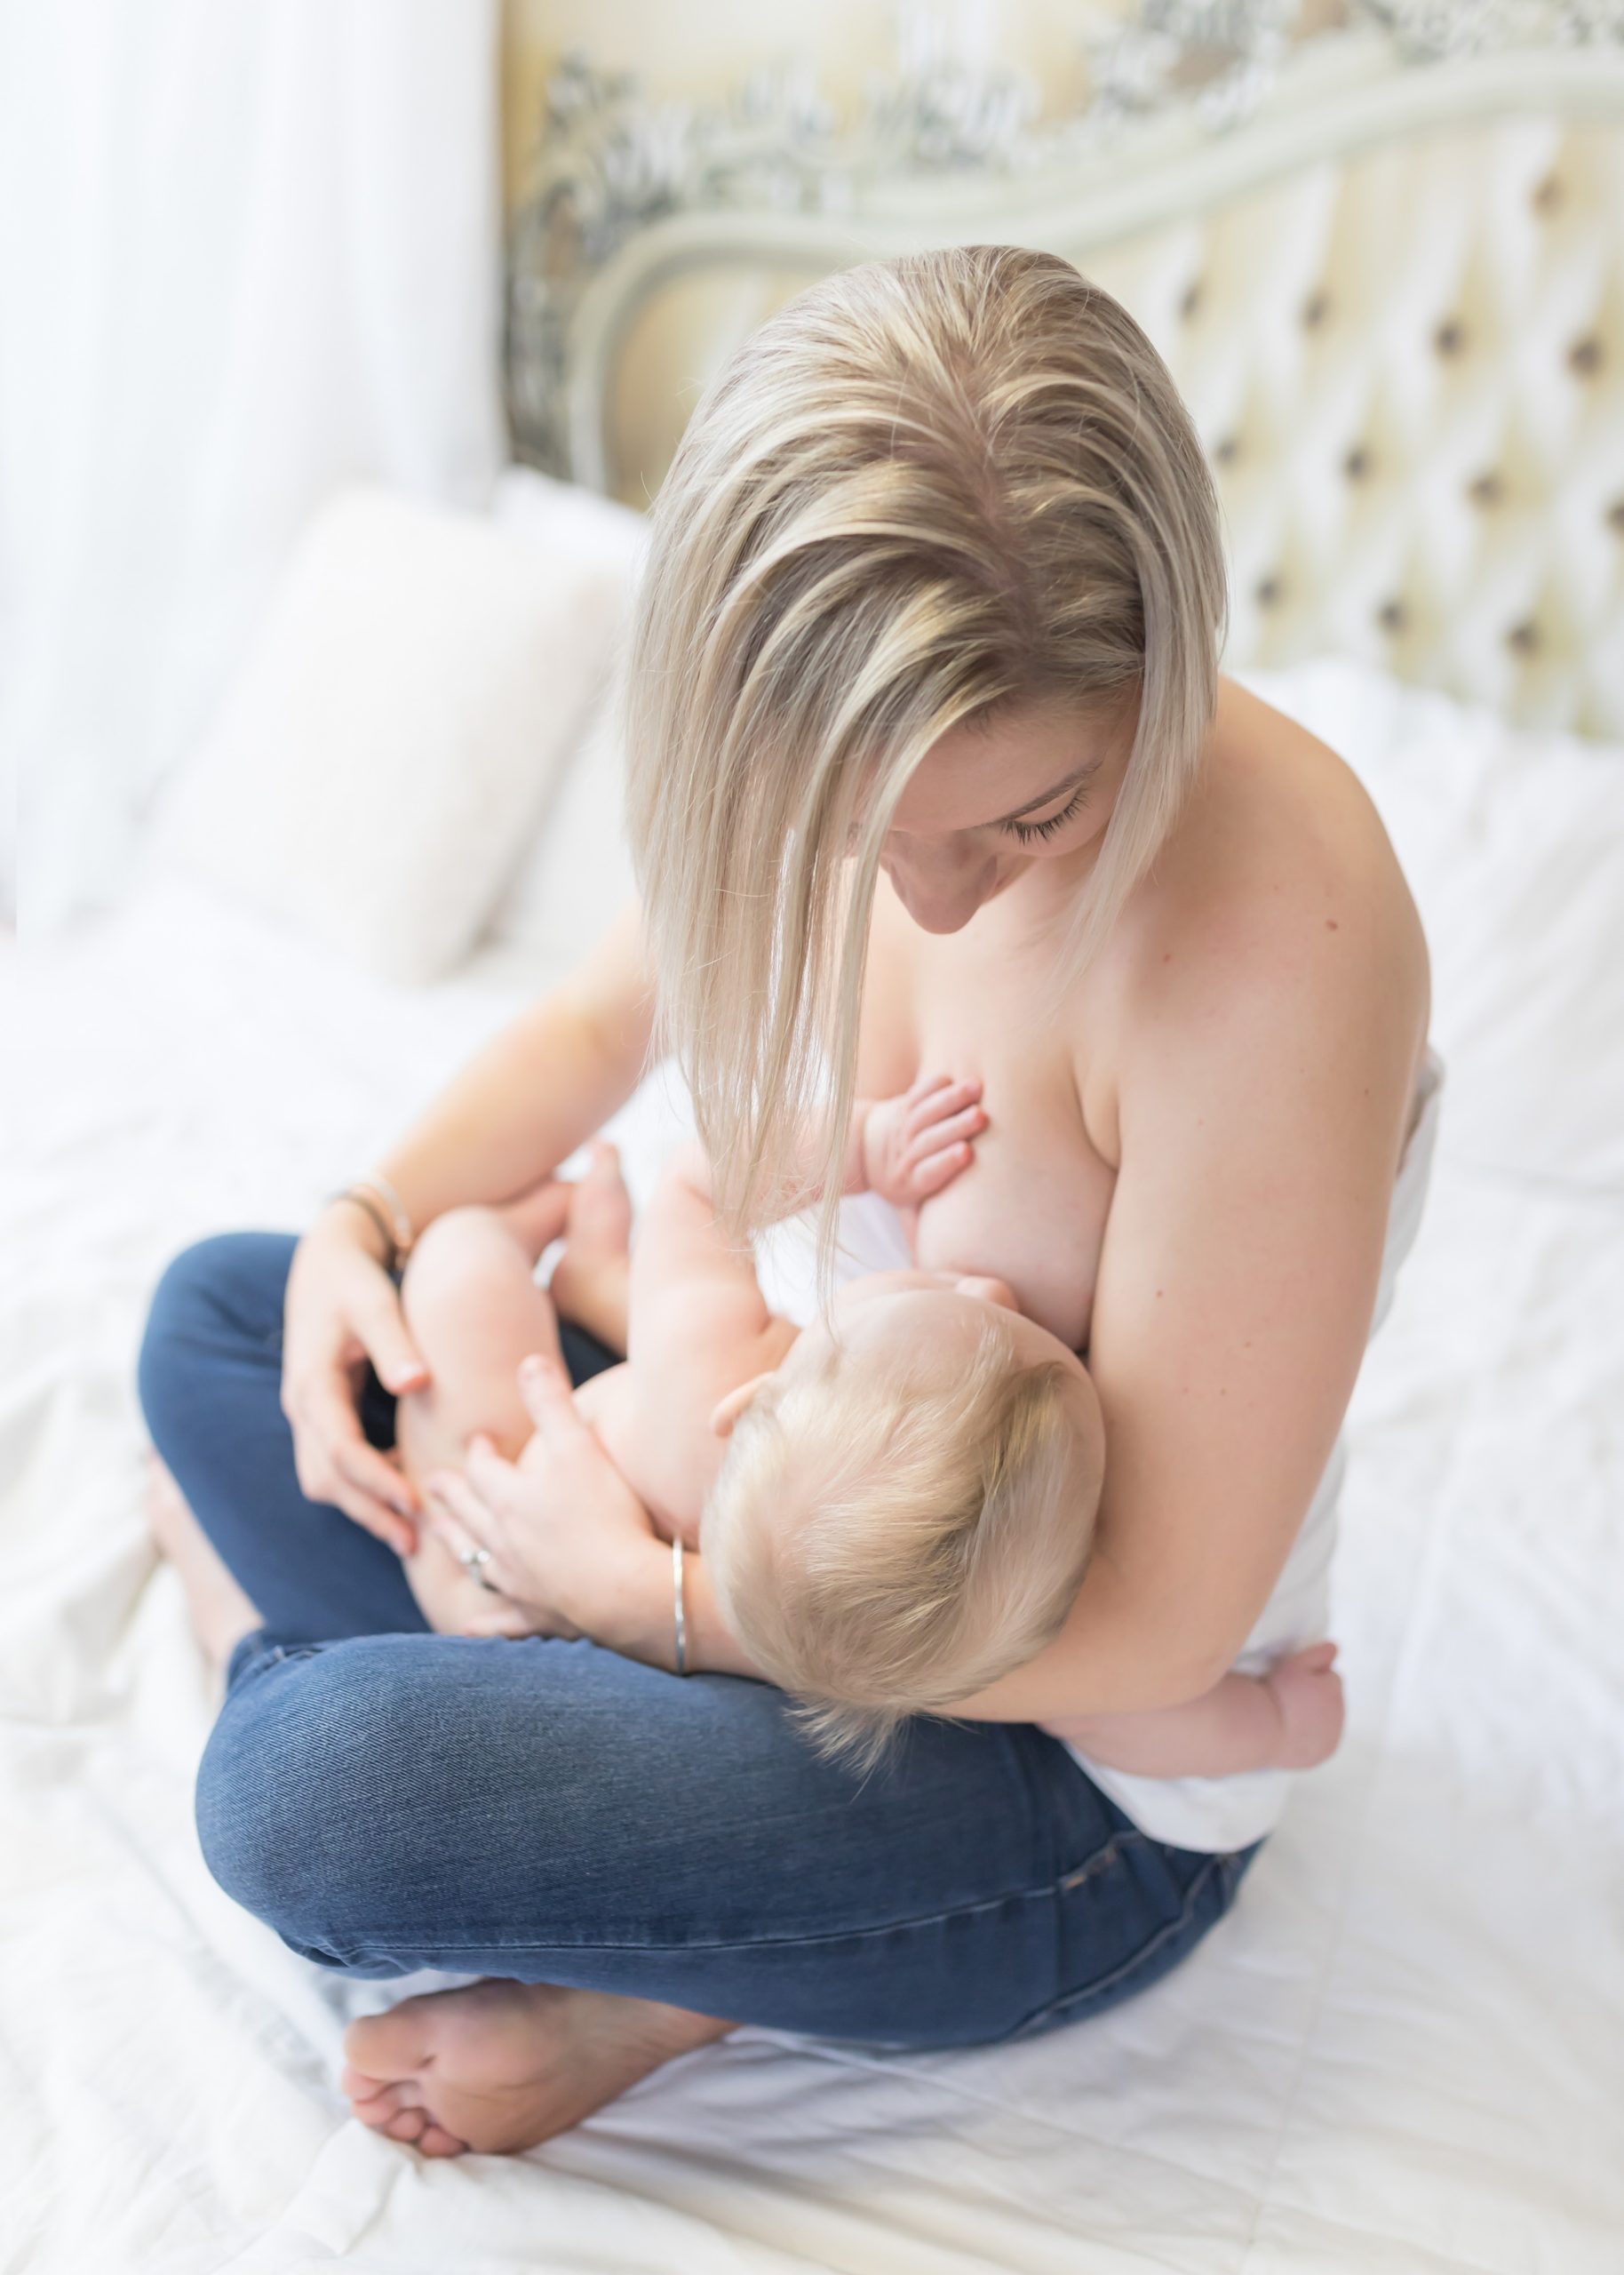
(937,1170)
(959,1130)
(939,1104)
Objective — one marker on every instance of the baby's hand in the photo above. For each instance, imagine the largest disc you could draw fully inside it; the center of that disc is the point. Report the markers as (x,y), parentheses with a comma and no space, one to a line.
(1308,1692)
(914,1145)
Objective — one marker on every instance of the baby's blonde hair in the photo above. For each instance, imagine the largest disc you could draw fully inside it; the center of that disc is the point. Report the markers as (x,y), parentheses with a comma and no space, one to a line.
(889,1536)
(926,490)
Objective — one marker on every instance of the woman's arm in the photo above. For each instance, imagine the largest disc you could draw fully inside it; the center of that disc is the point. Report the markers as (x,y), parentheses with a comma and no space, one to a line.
(537,1089)
(1261,1112)
(505,1120)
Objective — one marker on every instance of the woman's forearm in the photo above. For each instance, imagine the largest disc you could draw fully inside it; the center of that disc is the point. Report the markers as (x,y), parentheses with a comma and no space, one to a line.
(638,1617)
(533,1093)
(1116,1654)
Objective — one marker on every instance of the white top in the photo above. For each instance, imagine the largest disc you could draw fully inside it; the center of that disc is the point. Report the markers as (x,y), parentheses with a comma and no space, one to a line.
(1207,1813)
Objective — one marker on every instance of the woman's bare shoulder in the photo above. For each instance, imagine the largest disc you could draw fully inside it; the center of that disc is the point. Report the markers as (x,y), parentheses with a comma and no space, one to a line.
(1279,882)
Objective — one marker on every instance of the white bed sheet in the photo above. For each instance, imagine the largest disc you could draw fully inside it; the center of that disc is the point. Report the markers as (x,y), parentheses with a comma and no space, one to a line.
(1403,2051)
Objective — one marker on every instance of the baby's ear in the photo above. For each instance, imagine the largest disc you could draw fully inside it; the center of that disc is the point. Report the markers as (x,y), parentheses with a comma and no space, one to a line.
(727,1413)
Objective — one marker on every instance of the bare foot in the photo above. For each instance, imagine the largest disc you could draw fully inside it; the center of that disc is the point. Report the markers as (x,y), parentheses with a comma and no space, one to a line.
(222,1614)
(599,1229)
(500,2067)
(589,1280)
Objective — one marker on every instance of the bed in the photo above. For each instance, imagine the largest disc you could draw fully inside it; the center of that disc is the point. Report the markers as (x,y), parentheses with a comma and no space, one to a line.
(1394,291)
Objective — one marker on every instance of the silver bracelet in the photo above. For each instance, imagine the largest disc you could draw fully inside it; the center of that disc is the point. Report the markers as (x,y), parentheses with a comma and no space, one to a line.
(679,1609)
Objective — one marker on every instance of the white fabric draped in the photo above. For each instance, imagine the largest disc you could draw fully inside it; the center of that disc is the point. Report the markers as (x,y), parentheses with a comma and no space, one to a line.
(246,254)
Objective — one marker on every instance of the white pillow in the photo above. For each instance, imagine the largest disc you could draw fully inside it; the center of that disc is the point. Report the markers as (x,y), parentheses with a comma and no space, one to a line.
(1513,841)
(378,768)
(577,872)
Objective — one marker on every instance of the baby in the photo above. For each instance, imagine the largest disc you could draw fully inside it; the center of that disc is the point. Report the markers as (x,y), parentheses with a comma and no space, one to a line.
(897,1505)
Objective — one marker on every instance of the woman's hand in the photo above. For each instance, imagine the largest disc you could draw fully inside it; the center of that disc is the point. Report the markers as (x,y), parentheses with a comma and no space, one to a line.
(341,1310)
(564,1531)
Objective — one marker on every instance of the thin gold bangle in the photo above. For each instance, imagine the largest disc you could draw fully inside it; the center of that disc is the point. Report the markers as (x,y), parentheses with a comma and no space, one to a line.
(679,1609)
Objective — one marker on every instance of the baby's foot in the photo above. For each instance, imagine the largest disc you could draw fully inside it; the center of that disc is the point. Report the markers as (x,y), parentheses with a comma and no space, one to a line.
(1307,1693)
(597,1237)
(599,1230)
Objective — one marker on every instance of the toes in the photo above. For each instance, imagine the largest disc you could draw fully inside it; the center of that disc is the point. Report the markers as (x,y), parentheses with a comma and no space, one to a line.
(385,2103)
(385,2046)
(436,2142)
(408,2126)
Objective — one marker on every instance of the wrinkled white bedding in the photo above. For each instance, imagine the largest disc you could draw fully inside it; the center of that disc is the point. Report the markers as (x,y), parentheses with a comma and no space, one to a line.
(1405,2050)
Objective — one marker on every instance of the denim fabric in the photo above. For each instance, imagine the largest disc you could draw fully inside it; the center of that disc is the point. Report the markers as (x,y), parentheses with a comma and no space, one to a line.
(388,1798)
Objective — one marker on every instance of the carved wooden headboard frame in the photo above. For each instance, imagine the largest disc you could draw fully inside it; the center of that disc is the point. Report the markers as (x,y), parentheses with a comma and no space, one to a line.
(1388,280)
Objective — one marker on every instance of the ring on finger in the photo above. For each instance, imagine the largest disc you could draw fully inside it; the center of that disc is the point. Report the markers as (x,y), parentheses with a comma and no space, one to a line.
(473,1561)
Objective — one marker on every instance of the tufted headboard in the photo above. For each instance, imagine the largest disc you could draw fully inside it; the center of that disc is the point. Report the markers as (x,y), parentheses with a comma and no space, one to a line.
(1390,288)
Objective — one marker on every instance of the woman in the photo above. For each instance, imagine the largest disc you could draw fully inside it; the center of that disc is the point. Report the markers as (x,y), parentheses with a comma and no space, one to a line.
(929,752)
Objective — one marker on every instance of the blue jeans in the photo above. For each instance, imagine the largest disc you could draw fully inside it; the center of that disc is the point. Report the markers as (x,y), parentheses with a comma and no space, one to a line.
(387,1799)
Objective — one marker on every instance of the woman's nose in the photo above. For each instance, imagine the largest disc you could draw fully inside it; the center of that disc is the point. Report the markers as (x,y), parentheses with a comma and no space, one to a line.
(941,887)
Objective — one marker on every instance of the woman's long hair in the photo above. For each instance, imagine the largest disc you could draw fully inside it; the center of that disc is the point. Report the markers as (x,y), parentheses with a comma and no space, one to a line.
(926,489)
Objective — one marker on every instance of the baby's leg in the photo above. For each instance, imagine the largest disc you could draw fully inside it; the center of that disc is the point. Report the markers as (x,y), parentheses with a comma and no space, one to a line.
(474,1310)
(590,1281)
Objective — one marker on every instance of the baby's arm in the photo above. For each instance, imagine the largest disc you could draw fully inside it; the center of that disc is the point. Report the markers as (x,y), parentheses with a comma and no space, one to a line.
(1289,1719)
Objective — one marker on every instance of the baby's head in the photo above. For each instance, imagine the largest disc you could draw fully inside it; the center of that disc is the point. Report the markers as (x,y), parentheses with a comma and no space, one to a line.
(907,1504)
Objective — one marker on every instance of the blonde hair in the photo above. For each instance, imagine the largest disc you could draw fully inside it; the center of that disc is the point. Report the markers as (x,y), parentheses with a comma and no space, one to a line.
(889,1537)
(926,489)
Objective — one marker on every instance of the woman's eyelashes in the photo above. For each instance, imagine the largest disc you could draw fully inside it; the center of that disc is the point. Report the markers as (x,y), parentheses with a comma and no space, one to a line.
(1031,833)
